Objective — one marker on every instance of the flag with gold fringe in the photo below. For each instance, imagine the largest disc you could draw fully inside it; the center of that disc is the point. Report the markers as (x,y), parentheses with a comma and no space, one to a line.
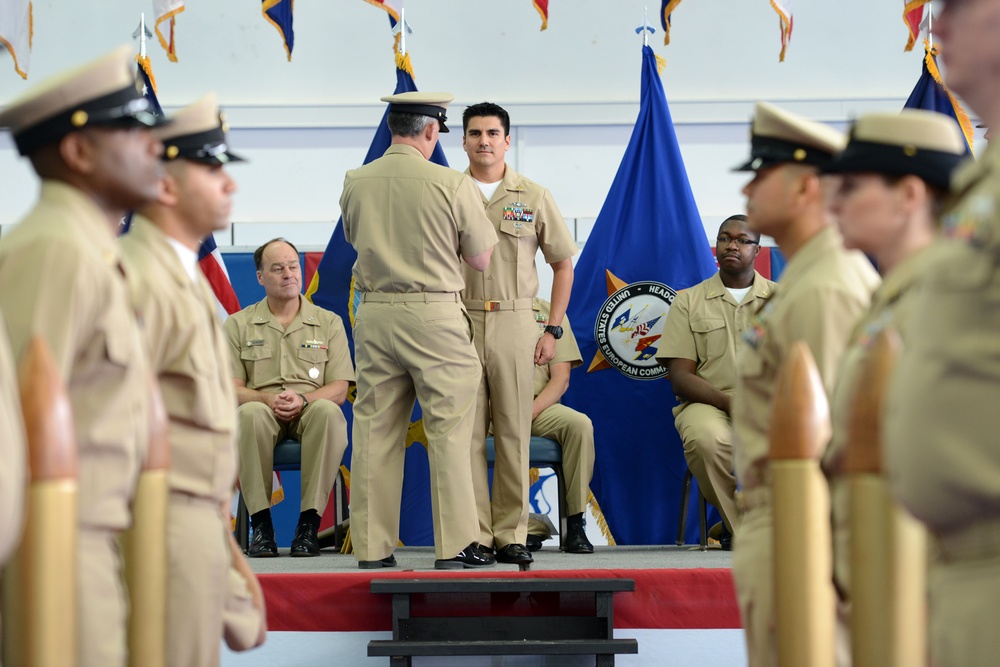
(931,94)
(542,6)
(647,243)
(279,14)
(913,16)
(332,288)
(667,8)
(167,10)
(16,32)
(393,7)
(785,22)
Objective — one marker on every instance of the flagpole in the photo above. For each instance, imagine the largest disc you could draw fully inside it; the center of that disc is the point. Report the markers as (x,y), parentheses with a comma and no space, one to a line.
(645,29)
(402,31)
(142,34)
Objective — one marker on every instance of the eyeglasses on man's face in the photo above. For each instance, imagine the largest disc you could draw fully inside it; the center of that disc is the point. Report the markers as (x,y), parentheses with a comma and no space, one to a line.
(724,240)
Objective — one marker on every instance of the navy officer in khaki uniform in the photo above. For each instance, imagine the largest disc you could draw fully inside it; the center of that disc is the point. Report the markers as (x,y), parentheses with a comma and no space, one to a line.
(412,222)
(942,454)
(292,369)
(701,337)
(499,300)
(189,354)
(822,292)
(13,455)
(895,171)
(87,134)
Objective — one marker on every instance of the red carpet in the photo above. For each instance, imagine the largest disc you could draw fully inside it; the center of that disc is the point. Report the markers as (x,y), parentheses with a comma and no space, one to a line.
(663,599)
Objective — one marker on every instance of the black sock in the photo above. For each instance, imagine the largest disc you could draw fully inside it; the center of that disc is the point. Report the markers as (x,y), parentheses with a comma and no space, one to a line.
(261,518)
(309,516)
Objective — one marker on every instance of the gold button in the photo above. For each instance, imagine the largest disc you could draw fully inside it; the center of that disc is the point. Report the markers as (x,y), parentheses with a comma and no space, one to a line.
(172,152)
(799,154)
(910,150)
(79,118)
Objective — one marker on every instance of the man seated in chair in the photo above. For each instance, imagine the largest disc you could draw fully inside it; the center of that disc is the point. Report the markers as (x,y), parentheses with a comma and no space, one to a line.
(292,370)
(700,351)
(571,429)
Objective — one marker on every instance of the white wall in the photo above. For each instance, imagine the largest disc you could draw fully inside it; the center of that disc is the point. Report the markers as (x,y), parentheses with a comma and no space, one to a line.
(572,90)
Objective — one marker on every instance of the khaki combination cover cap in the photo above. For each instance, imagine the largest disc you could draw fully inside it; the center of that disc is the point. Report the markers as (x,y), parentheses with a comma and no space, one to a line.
(434,105)
(923,143)
(778,136)
(198,133)
(101,93)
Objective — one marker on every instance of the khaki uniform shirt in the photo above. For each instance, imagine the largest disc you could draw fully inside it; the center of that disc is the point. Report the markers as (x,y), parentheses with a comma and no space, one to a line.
(400,254)
(61,278)
(940,420)
(704,324)
(189,354)
(566,347)
(526,219)
(823,291)
(311,352)
(892,305)
(13,455)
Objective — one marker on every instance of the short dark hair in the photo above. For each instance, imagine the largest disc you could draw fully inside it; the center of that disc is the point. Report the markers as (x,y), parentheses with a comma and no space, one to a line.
(739,217)
(404,124)
(486,109)
(258,254)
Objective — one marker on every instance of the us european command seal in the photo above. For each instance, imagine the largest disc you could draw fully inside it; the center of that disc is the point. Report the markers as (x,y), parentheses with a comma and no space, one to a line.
(629,327)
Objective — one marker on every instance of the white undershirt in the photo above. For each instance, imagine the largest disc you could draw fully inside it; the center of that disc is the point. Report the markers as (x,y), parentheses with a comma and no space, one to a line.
(188,257)
(488,188)
(739,293)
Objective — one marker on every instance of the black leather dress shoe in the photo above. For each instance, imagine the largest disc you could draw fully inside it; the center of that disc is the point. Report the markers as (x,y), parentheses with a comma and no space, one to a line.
(576,541)
(388,561)
(726,539)
(306,542)
(517,554)
(263,545)
(534,542)
(470,557)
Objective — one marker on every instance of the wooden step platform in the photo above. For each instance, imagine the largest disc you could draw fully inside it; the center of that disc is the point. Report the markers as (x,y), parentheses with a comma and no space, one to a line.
(583,625)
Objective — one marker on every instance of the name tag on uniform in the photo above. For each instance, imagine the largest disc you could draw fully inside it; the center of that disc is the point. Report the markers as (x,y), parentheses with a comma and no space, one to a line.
(314,345)
(255,342)
(519,213)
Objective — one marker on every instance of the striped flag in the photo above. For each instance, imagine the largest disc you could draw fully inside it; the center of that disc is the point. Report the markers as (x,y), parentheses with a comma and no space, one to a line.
(166,10)
(279,14)
(393,7)
(15,33)
(543,10)
(784,11)
(913,16)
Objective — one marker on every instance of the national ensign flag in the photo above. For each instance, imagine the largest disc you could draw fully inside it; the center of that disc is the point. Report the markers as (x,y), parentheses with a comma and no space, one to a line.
(16,32)
(649,229)
(785,22)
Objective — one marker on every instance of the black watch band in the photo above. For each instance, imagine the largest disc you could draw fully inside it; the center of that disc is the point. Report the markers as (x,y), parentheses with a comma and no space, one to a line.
(557,332)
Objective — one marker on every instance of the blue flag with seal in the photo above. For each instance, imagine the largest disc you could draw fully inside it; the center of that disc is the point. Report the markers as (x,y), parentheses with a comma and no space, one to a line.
(647,244)
(332,288)
(931,94)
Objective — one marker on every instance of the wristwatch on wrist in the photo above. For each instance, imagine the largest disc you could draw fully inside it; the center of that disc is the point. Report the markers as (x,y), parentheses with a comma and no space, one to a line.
(305,401)
(556,332)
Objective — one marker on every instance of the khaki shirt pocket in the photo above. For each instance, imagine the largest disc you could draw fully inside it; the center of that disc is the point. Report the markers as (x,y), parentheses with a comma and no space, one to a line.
(257,362)
(709,338)
(310,358)
(517,240)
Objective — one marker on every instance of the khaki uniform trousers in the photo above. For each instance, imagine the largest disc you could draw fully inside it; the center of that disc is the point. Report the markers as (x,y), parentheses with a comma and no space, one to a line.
(964,591)
(102,605)
(322,430)
(197,565)
(752,558)
(707,435)
(505,342)
(410,350)
(575,434)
